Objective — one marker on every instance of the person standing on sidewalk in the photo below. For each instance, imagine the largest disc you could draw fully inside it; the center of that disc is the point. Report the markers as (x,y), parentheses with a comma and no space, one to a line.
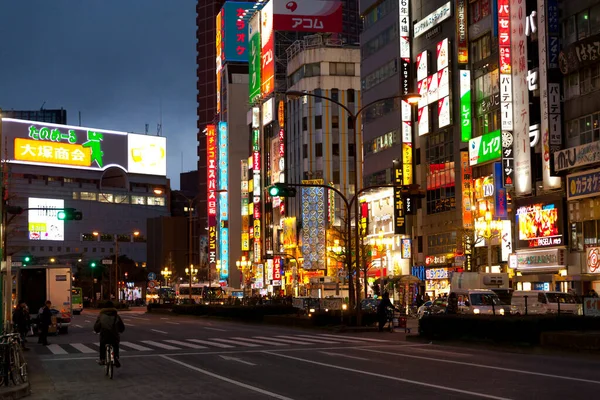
(45,320)
(21,322)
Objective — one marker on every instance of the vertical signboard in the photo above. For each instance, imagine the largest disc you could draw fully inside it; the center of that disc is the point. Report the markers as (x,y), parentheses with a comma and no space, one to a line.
(223,144)
(220,56)
(267,66)
(406,109)
(235,31)
(521,149)
(244,210)
(211,184)
(506,91)
(465,105)
(462,34)
(281,121)
(500,203)
(467,190)
(254,57)
(399,220)
(548,143)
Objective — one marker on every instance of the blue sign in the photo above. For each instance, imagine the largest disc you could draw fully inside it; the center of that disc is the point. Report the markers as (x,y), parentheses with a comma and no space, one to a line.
(583,185)
(553,33)
(418,271)
(151,276)
(234,31)
(223,146)
(500,203)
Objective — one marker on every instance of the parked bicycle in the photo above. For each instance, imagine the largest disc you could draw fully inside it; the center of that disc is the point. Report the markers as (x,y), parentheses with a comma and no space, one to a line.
(13,367)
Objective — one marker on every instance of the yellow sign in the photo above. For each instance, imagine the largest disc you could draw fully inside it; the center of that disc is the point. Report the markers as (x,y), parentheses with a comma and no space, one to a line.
(256,229)
(407,163)
(281,114)
(245,242)
(52,153)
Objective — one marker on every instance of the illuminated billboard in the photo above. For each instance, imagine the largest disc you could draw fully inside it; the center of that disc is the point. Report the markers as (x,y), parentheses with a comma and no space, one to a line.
(540,225)
(211,183)
(43,223)
(254,60)
(234,31)
(307,16)
(267,64)
(485,148)
(223,146)
(65,146)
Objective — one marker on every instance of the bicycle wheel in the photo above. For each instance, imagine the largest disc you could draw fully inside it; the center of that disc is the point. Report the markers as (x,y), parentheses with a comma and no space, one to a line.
(107,360)
(14,364)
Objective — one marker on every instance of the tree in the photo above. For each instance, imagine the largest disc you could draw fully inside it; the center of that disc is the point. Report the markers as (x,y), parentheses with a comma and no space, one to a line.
(340,253)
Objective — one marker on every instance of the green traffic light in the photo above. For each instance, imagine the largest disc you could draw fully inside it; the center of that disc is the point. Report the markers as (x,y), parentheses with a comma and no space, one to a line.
(274,191)
(27,259)
(61,215)
(93,265)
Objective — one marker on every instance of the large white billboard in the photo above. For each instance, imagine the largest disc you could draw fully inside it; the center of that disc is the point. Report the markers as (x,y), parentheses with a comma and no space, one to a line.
(147,154)
(43,222)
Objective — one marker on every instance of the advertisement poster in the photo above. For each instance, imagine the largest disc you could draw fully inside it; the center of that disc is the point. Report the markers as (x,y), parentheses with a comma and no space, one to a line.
(307,16)
(485,148)
(254,60)
(43,223)
(465,105)
(267,66)
(540,225)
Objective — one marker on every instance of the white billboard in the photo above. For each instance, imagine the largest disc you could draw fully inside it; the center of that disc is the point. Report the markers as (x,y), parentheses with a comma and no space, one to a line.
(147,154)
(43,223)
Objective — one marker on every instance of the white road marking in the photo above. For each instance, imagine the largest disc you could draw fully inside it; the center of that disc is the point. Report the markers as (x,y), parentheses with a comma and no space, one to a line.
(270,339)
(83,348)
(135,346)
(156,330)
(78,326)
(161,345)
(221,377)
(310,340)
(185,344)
(206,342)
(56,349)
(357,337)
(259,341)
(229,358)
(235,342)
(518,371)
(215,329)
(143,319)
(87,322)
(344,355)
(338,339)
(379,375)
(164,318)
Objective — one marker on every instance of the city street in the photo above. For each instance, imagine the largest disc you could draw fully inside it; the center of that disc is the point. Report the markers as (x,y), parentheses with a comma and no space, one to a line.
(188,357)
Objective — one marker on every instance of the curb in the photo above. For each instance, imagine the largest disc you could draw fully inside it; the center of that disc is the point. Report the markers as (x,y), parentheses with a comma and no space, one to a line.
(16,392)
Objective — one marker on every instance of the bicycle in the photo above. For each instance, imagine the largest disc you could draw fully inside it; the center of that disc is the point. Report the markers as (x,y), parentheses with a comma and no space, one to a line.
(390,319)
(110,361)
(13,364)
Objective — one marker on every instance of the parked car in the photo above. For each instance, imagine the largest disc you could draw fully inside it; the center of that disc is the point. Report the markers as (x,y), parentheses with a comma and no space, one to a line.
(63,321)
(421,310)
(480,301)
(541,302)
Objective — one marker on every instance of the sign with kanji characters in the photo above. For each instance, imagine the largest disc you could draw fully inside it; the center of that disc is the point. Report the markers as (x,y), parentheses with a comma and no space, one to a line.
(211,186)
(583,184)
(254,62)
(465,105)
(67,146)
(399,218)
(462,36)
(267,52)
(485,148)
(234,31)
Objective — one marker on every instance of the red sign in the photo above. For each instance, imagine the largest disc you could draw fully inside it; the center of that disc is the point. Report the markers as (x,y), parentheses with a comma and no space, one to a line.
(256,161)
(276,268)
(504,36)
(267,74)
(211,183)
(307,16)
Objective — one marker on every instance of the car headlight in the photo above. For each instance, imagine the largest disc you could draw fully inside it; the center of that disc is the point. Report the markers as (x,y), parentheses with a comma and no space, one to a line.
(502,311)
(312,310)
(476,311)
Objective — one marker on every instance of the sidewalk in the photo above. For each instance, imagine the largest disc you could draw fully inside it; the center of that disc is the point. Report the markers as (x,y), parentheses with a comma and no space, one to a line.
(15,392)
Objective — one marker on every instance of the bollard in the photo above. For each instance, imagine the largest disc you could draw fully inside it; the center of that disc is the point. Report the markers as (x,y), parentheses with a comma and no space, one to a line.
(558,304)
(525,304)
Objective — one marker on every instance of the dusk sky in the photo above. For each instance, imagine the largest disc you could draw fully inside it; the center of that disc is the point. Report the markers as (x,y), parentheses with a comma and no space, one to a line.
(115,61)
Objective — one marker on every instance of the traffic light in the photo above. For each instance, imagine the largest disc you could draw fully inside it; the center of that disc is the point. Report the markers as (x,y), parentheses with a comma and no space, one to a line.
(27,259)
(93,264)
(282,190)
(69,214)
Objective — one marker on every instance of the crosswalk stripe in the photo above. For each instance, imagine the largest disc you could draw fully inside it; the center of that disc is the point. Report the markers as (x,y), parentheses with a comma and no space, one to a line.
(311,340)
(339,338)
(221,345)
(361,338)
(161,345)
(56,349)
(185,344)
(83,348)
(234,342)
(259,341)
(281,340)
(134,346)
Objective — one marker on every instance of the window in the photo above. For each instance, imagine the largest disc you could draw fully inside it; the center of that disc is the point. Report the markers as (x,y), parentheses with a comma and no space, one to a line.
(383,73)
(139,200)
(335,94)
(586,129)
(156,201)
(441,243)
(106,198)
(569,30)
(379,110)
(595,20)
(75,196)
(335,121)
(351,96)
(88,196)
(88,237)
(343,69)
(478,10)
(487,85)
(378,42)
(304,151)
(583,25)
(571,85)
(319,149)
(318,122)
(375,14)
(482,48)
(313,69)
(304,123)
(336,177)
(335,149)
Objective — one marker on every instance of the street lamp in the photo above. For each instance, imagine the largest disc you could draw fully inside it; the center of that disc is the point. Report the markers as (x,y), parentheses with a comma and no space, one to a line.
(166,273)
(410,98)
(191,272)
(245,266)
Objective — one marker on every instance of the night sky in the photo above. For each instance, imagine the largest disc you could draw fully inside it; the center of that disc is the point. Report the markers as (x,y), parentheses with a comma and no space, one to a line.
(118,62)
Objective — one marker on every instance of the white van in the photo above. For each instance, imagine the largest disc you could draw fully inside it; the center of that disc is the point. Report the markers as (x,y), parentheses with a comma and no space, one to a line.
(480,301)
(541,302)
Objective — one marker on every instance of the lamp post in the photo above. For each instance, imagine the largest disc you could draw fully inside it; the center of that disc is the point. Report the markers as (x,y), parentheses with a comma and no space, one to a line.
(245,266)
(487,228)
(166,273)
(191,272)
(116,237)
(410,98)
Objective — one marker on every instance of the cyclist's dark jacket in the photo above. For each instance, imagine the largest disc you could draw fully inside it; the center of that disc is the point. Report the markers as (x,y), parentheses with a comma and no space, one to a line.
(384,304)
(109,325)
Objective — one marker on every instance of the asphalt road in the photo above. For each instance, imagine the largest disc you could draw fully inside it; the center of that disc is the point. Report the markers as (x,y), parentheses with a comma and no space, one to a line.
(186,357)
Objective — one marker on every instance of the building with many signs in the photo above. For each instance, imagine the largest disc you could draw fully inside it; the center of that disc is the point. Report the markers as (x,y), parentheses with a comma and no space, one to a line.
(116,179)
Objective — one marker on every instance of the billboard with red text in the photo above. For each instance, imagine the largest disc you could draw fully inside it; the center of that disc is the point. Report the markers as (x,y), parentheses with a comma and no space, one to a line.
(307,16)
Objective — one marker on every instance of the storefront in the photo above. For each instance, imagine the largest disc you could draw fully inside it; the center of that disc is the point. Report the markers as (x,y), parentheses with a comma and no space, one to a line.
(437,281)
(541,270)
(593,269)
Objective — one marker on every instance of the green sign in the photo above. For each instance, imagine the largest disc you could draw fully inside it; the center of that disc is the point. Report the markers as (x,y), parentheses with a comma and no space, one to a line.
(254,57)
(485,148)
(465,105)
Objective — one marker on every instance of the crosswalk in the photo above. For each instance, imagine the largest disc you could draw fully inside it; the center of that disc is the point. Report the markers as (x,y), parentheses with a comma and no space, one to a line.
(247,343)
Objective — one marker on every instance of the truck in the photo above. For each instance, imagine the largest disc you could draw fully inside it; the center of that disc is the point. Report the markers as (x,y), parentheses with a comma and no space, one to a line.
(496,282)
(37,284)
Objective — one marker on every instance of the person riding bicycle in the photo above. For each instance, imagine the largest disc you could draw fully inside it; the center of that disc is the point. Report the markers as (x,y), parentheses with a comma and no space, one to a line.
(382,310)
(110,326)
